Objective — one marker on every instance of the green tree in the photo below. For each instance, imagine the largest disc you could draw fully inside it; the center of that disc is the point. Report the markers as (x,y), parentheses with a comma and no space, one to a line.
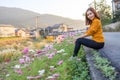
(104,11)
(116,16)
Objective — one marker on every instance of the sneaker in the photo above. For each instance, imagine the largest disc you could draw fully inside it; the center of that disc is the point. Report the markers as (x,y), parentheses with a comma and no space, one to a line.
(72,58)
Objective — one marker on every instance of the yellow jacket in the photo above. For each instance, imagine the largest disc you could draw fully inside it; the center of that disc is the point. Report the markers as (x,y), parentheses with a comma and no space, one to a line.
(95,30)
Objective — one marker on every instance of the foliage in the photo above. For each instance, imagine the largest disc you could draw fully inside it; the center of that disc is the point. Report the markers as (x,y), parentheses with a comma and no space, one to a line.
(53,60)
(11,40)
(116,16)
(103,10)
(9,55)
(105,66)
(13,50)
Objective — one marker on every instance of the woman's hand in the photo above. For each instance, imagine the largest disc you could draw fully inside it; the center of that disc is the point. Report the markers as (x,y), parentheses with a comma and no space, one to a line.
(83,35)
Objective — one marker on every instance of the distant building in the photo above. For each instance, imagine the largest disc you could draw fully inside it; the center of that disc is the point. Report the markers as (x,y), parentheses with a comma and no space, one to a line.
(7,30)
(61,28)
(20,33)
(65,28)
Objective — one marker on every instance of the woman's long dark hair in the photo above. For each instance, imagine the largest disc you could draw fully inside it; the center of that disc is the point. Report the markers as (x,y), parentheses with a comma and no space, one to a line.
(88,21)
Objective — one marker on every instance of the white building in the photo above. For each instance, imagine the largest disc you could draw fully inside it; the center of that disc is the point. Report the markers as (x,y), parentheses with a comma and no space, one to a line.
(7,30)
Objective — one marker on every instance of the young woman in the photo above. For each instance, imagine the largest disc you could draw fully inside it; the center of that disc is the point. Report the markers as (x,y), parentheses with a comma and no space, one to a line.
(95,30)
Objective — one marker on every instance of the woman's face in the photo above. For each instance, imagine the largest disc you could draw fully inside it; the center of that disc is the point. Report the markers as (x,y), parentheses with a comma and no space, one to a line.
(90,15)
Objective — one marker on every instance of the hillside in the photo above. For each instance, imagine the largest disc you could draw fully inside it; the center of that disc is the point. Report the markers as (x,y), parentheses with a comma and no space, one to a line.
(25,18)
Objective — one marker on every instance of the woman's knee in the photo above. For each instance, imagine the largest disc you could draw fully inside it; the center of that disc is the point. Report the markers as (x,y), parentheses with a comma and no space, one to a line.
(79,40)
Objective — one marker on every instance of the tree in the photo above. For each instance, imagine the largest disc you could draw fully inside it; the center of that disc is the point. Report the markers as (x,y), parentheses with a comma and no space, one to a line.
(104,11)
(116,16)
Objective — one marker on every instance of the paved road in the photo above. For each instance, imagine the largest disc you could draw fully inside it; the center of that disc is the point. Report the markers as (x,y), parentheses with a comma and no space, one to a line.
(112,48)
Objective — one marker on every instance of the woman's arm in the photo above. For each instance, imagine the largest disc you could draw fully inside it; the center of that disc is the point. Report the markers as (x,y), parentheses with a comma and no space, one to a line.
(83,35)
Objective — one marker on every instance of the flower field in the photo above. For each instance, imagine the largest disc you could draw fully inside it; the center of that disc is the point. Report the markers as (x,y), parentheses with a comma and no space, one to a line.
(50,62)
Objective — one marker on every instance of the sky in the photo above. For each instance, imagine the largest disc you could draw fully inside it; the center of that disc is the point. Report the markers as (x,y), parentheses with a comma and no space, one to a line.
(73,9)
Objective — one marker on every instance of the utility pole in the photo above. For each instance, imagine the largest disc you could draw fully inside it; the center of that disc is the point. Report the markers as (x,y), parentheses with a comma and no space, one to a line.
(95,4)
(36,22)
(36,32)
(113,11)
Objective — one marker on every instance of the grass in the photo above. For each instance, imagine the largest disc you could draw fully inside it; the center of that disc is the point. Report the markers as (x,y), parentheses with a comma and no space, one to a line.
(53,60)
(66,70)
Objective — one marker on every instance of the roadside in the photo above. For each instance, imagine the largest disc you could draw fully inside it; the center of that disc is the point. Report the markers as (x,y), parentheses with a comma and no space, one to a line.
(109,52)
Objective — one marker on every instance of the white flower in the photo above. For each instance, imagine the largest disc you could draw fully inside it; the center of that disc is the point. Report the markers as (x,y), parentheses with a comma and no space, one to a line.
(17,66)
(112,68)
(31,50)
(65,54)
(32,59)
(41,72)
(49,77)
(35,55)
(7,75)
(60,51)
(51,66)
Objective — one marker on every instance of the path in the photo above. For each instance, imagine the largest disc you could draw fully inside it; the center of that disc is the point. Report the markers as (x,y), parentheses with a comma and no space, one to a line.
(111,51)
(112,48)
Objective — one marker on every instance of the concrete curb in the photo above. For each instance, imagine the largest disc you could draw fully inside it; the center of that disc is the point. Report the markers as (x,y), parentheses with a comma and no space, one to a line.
(94,72)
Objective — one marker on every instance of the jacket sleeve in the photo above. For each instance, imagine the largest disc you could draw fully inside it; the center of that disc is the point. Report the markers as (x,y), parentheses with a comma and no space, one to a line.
(93,27)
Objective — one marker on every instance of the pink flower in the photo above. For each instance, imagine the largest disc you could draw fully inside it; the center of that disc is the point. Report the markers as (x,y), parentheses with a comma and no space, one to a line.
(56,75)
(19,71)
(53,77)
(33,77)
(35,55)
(51,55)
(21,61)
(48,47)
(60,62)
(50,78)
(30,77)
(39,51)
(27,59)
(71,34)
(37,77)
(25,51)
(7,60)
(29,69)
(52,68)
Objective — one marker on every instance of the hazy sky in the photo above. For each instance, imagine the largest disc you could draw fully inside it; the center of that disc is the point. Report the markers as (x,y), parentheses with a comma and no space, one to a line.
(66,8)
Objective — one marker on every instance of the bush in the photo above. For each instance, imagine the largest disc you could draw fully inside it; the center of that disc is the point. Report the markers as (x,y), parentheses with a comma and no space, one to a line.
(116,16)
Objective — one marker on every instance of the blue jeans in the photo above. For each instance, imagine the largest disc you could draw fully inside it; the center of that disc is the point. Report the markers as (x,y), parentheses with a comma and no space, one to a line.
(88,43)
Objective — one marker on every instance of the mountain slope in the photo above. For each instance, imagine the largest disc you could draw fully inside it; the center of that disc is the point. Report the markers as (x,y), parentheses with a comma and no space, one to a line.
(25,18)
